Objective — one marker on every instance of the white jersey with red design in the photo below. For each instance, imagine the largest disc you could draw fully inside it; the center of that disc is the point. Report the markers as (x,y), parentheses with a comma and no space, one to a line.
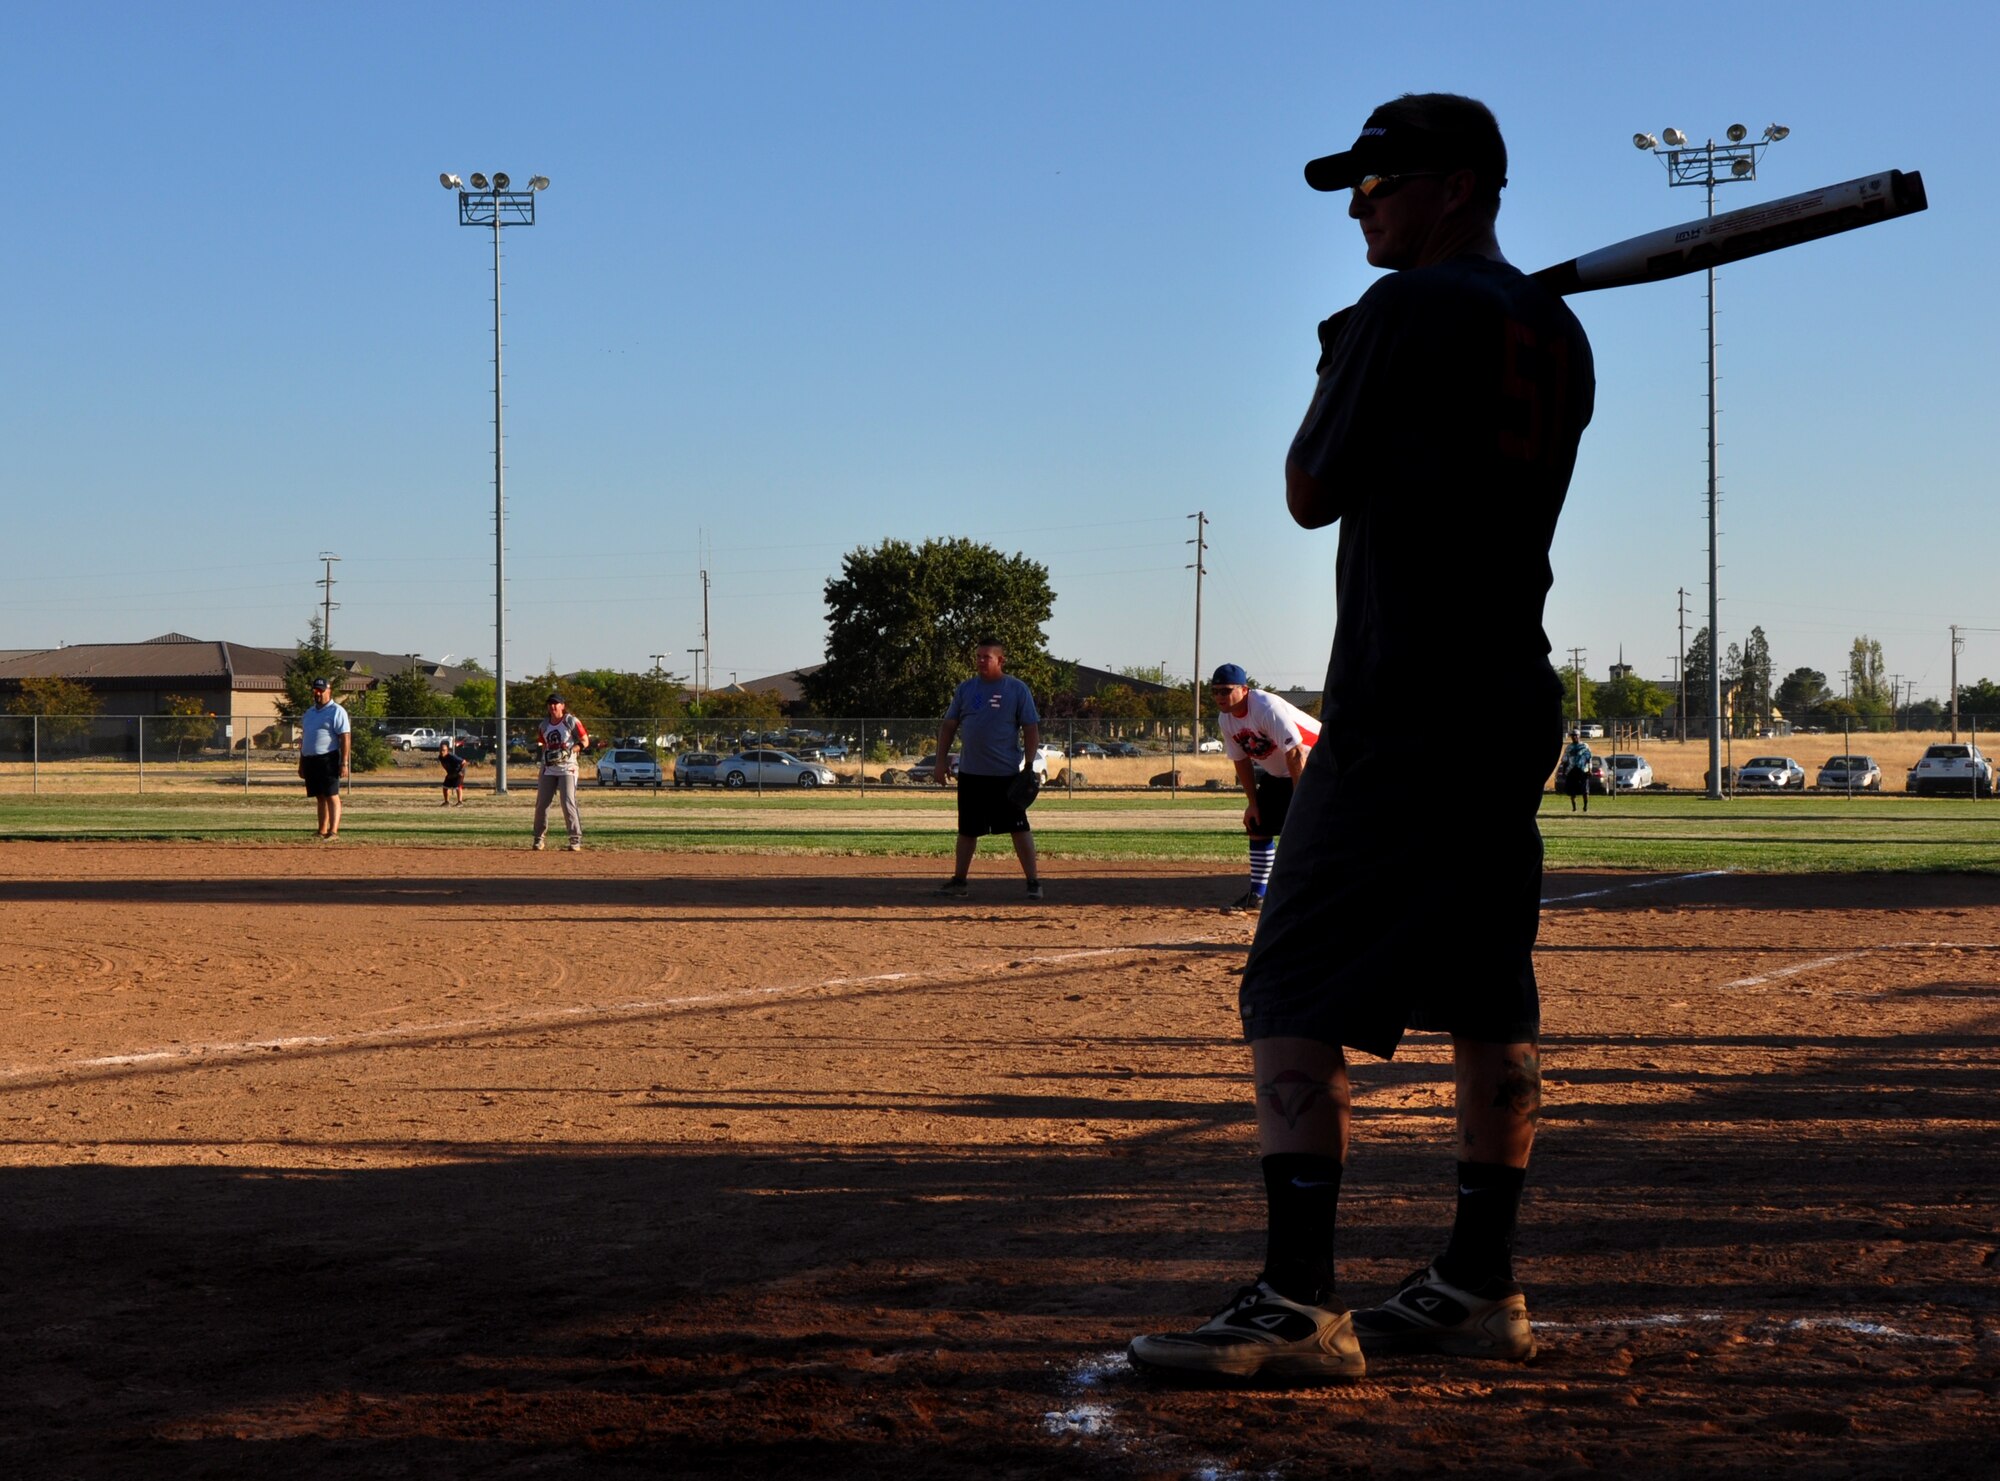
(1266,731)
(559,741)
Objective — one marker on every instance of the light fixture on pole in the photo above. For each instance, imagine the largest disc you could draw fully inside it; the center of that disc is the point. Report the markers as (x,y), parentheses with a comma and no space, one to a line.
(493,204)
(1709,165)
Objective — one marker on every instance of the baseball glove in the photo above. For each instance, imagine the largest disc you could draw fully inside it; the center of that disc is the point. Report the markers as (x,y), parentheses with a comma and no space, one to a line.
(1023,790)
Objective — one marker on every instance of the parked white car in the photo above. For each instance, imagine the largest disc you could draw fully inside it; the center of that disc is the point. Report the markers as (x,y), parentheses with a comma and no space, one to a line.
(633,768)
(1951,768)
(1850,774)
(764,768)
(1770,774)
(1629,772)
(1210,747)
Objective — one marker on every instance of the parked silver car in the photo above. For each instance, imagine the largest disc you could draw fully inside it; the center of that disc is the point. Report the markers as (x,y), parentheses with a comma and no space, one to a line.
(697,769)
(1850,774)
(1770,774)
(766,768)
(636,768)
(1629,772)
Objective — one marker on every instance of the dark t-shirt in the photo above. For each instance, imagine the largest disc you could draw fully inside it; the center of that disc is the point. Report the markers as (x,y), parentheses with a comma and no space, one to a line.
(454,767)
(1444,430)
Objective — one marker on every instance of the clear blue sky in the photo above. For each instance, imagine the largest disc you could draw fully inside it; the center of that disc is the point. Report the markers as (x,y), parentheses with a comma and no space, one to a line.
(814,275)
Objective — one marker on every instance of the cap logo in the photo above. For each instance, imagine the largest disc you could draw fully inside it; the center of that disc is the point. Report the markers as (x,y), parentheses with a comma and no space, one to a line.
(1377,133)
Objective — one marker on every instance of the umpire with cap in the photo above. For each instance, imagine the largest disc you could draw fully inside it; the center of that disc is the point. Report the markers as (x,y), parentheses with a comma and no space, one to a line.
(1440,437)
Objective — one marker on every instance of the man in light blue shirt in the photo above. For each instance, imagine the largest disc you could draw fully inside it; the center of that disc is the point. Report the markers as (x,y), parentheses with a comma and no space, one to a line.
(326,739)
(996,715)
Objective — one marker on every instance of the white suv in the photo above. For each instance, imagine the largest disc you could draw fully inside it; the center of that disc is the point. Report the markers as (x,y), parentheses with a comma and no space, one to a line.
(1951,768)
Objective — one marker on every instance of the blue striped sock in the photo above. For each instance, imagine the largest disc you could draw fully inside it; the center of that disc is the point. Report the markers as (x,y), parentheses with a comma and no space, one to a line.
(1262,854)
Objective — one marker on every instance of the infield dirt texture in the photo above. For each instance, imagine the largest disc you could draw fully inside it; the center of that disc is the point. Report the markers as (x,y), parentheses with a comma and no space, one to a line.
(354,1161)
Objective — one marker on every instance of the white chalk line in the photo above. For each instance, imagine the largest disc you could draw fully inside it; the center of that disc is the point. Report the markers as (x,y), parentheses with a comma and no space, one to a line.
(1852,1325)
(1637,884)
(1778,974)
(225,1052)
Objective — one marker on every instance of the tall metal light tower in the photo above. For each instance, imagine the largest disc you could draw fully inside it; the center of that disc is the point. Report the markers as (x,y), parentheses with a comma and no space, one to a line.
(1709,165)
(494,204)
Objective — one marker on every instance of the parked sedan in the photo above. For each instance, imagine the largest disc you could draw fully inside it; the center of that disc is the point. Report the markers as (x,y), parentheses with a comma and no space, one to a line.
(925,767)
(637,768)
(1629,773)
(1209,747)
(697,769)
(1770,774)
(1122,748)
(767,768)
(1850,774)
(1951,768)
(1081,749)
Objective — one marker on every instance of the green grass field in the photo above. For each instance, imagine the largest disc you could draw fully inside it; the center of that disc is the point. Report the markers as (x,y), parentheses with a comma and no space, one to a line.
(1774,834)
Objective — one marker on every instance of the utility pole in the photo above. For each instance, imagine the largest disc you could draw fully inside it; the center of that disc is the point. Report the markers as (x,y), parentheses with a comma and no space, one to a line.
(327,603)
(1681,668)
(699,655)
(1896,700)
(1957,643)
(657,658)
(708,674)
(1576,670)
(1200,545)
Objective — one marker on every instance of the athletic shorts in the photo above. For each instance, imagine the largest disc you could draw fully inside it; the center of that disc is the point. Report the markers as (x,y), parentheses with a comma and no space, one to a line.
(1274,801)
(983,807)
(321,774)
(1393,908)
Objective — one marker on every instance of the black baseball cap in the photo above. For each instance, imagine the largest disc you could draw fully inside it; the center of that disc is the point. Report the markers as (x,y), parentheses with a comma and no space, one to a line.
(1414,135)
(553,699)
(322,683)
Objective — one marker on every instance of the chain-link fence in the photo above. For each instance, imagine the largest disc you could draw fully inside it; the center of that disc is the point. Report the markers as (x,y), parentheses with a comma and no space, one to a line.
(69,754)
(158,752)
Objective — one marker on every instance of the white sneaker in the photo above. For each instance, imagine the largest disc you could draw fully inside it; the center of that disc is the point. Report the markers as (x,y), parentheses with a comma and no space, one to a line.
(1430,1314)
(1259,1334)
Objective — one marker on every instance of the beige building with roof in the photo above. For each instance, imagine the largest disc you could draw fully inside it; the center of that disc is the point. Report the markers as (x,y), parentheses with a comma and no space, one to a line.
(233,681)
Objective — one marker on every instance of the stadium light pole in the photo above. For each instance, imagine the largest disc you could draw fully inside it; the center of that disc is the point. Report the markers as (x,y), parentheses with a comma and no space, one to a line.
(1709,165)
(492,203)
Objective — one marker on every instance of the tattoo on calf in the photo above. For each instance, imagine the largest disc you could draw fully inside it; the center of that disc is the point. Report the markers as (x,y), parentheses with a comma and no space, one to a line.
(1521,1088)
(1292,1095)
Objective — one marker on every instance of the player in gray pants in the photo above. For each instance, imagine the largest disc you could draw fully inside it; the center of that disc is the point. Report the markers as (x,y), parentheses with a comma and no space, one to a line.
(561,736)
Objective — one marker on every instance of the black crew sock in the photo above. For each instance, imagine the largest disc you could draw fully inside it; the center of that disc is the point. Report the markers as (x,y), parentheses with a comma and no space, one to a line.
(1302,1195)
(1481,1251)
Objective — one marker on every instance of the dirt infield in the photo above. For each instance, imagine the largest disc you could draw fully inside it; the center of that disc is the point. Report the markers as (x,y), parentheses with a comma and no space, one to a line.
(372,1162)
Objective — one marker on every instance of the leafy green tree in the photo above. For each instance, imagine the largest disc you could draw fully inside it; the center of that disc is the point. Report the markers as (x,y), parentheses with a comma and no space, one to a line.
(1695,668)
(654,698)
(1755,677)
(1981,700)
(1150,673)
(408,695)
(903,620)
(64,705)
(1628,697)
(528,700)
(1802,694)
(310,660)
(474,698)
(1868,684)
(184,721)
(740,704)
(1568,674)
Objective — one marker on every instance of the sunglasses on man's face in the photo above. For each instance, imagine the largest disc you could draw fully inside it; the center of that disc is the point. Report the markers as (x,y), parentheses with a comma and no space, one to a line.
(1381,187)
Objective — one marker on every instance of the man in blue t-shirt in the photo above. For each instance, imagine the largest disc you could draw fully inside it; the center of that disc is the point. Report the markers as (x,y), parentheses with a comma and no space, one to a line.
(326,741)
(995,714)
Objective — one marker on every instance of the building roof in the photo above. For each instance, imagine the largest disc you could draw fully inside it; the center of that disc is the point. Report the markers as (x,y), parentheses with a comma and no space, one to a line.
(168,659)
